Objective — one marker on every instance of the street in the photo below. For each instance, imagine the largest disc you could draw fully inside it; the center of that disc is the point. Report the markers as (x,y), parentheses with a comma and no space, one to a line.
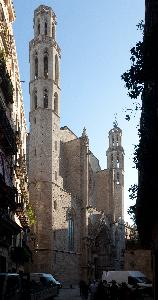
(74,294)
(69,294)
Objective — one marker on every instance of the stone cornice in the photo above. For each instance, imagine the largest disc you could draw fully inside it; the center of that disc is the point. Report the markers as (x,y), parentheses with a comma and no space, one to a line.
(45,39)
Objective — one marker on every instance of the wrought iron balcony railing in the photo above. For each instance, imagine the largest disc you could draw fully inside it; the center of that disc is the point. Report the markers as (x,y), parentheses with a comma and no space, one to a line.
(8,195)
(7,136)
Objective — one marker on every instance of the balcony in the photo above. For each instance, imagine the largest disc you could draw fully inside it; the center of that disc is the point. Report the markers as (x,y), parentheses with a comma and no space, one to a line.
(18,138)
(22,254)
(7,136)
(5,83)
(8,195)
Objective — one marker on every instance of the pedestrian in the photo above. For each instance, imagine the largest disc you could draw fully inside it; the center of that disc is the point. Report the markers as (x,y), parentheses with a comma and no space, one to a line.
(114,290)
(81,283)
(84,291)
(124,292)
(100,292)
(93,289)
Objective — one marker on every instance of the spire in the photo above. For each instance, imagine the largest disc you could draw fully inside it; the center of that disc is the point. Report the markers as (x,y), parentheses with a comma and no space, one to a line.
(85,137)
(115,123)
(84,133)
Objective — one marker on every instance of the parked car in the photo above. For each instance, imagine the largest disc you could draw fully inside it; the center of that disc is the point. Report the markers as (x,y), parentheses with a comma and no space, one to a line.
(58,283)
(41,281)
(10,286)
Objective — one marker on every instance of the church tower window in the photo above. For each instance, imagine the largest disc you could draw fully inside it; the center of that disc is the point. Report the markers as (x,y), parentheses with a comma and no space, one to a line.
(53,32)
(45,28)
(45,61)
(38,27)
(56,69)
(118,162)
(45,99)
(70,232)
(35,99)
(118,179)
(36,65)
(56,103)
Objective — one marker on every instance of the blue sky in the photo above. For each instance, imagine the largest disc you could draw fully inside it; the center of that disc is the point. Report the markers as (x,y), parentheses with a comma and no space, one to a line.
(95,38)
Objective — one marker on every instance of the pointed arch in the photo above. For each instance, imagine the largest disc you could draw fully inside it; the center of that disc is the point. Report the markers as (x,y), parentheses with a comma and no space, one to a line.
(71,226)
(56,69)
(53,31)
(45,63)
(36,65)
(35,99)
(56,103)
(45,98)
(45,28)
(38,27)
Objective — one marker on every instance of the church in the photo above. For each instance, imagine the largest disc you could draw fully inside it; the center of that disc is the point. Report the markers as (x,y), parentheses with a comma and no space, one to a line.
(79,229)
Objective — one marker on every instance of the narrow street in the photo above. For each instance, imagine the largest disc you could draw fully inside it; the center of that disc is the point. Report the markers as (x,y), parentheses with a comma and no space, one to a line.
(74,294)
(69,294)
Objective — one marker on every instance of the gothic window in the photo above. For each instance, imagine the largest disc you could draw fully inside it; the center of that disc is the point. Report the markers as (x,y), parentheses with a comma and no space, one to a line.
(118,178)
(35,99)
(55,175)
(118,161)
(45,61)
(55,205)
(45,28)
(38,27)
(113,141)
(45,99)
(117,140)
(70,219)
(112,159)
(36,65)
(53,32)
(56,103)
(55,145)
(56,69)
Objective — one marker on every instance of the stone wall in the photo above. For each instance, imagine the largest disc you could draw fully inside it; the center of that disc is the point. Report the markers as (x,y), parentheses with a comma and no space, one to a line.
(72,167)
(102,191)
(138,260)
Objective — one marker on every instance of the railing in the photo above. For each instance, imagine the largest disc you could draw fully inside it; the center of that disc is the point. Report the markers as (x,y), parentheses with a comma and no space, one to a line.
(8,195)
(5,82)
(7,38)
(7,136)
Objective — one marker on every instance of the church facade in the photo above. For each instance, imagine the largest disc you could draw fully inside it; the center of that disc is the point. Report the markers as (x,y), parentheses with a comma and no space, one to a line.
(78,231)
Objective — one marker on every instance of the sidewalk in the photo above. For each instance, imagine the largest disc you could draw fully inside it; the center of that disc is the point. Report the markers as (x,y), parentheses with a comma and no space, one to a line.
(69,294)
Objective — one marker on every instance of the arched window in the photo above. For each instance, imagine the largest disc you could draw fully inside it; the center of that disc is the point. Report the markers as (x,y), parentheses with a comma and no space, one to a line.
(45,28)
(38,27)
(45,61)
(35,99)
(36,65)
(56,69)
(118,178)
(70,219)
(118,161)
(56,103)
(45,99)
(53,32)
(112,159)
(117,140)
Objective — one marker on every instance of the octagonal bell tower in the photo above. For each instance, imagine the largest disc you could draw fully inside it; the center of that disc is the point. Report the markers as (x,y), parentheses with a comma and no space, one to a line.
(44,143)
(115,163)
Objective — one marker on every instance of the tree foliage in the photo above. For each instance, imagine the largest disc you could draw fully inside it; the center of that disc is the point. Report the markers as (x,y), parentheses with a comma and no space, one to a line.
(134,82)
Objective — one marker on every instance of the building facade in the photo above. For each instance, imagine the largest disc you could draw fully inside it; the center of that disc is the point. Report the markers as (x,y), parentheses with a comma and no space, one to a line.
(14,225)
(78,206)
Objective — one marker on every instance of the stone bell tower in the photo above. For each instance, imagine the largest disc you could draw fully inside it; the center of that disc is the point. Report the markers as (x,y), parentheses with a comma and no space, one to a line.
(44,137)
(115,163)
